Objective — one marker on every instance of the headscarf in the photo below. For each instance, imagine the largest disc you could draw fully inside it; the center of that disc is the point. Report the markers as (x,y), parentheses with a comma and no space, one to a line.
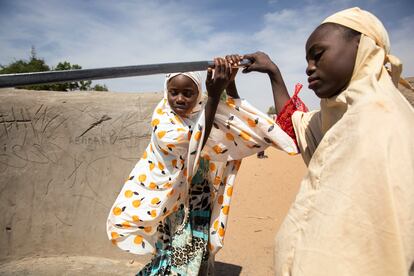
(196,78)
(160,181)
(374,29)
(370,76)
(354,213)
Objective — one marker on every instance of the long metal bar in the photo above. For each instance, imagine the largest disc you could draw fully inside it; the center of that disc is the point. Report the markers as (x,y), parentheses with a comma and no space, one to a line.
(11,80)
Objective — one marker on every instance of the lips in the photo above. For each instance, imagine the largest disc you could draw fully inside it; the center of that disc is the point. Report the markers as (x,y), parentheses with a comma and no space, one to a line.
(313,82)
(180,108)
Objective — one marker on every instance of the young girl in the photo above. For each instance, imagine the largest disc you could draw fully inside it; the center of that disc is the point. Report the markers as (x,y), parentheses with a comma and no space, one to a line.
(354,213)
(176,200)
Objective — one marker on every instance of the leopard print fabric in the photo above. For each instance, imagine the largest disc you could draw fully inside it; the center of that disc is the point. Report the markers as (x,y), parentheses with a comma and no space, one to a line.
(183,250)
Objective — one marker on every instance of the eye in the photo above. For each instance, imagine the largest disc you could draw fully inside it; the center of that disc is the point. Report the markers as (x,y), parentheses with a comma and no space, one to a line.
(188,93)
(317,55)
(172,92)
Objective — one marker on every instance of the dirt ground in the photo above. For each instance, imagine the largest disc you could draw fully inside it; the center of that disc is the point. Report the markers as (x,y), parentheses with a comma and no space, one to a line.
(264,191)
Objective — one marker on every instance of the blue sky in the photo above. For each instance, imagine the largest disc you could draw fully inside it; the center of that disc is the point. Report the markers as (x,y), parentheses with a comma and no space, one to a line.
(116,33)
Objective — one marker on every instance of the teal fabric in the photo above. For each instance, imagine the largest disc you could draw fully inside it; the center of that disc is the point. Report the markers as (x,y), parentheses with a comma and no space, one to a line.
(183,251)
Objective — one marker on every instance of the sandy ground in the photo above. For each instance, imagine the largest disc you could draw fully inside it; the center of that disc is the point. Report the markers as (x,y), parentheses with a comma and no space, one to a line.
(264,192)
(68,266)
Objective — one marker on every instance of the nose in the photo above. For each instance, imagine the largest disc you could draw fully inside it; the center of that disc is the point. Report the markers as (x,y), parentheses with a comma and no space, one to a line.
(180,99)
(310,68)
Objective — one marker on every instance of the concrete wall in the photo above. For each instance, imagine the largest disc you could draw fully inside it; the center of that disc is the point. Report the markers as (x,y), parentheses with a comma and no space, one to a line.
(63,159)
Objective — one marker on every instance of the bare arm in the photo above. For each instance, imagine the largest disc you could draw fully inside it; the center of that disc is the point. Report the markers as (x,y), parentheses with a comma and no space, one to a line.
(262,63)
(231,89)
(215,86)
(280,93)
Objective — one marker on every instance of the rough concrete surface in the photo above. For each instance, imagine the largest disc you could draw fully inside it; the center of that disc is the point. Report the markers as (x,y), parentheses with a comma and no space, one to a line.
(63,160)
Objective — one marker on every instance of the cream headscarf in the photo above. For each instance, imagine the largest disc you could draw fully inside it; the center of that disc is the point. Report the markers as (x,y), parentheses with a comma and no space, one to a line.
(354,213)
(160,181)
(370,77)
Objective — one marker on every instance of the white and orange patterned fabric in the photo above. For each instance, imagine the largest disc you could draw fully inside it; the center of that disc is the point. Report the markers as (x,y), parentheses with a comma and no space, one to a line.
(159,182)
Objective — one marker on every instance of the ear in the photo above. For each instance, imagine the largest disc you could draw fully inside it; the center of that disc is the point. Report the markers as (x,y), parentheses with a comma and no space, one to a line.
(354,43)
(356,39)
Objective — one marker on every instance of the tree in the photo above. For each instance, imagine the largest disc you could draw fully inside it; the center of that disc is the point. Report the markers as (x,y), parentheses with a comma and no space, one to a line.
(271,110)
(23,66)
(99,87)
(35,64)
(70,86)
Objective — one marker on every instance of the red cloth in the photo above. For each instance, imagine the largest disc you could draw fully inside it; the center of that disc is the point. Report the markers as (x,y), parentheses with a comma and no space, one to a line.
(284,118)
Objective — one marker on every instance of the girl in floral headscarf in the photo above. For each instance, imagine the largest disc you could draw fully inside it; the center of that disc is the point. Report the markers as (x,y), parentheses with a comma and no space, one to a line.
(176,200)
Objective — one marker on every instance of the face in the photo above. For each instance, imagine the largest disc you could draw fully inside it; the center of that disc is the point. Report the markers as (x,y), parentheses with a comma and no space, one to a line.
(182,94)
(331,55)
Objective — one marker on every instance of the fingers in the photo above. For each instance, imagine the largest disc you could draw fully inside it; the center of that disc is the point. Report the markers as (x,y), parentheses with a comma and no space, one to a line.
(260,62)
(228,69)
(209,74)
(218,80)
(246,70)
(234,62)
(234,59)
(222,68)
(251,57)
(219,69)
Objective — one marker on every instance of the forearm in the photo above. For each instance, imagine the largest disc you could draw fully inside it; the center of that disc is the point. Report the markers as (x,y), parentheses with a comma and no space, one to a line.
(280,93)
(231,90)
(210,113)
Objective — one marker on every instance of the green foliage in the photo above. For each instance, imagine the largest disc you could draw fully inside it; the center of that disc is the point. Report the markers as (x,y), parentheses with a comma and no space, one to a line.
(99,87)
(223,96)
(25,66)
(271,110)
(70,86)
(35,64)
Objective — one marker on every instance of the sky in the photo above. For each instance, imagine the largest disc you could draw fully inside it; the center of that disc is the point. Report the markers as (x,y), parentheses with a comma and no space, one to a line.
(95,33)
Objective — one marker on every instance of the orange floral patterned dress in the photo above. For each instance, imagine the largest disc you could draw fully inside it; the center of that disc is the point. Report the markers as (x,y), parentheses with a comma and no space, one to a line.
(159,184)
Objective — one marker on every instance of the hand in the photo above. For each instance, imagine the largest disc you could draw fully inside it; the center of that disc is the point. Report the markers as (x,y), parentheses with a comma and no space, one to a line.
(261,62)
(217,83)
(234,61)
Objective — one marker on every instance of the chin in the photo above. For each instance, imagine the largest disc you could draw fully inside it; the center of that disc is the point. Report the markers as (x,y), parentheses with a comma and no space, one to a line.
(320,94)
(323,94)
(181,113)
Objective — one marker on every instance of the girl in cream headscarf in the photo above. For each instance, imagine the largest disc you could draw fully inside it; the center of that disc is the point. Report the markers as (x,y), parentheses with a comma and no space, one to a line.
(354,213)
(176,200)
